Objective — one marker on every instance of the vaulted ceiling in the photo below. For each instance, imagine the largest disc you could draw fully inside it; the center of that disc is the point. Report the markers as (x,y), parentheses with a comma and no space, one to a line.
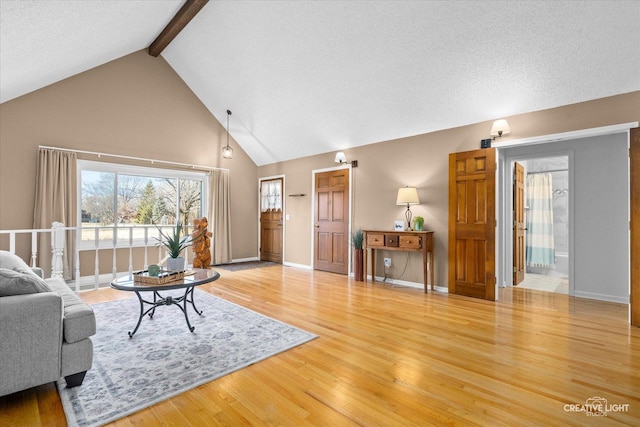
(307,77)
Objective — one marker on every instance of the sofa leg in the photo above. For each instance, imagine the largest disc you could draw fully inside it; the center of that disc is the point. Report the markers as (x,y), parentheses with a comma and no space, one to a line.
(75,379)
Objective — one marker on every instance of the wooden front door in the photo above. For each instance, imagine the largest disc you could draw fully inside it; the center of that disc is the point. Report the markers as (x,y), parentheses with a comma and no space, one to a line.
(472,223)
(518,223)
(634,184)
(271,220)
(331,221)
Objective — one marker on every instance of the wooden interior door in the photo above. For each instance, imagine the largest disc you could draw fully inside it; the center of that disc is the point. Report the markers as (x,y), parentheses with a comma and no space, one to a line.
(518,223)
(634,184)
(472,223)
(331,221)
(271,220)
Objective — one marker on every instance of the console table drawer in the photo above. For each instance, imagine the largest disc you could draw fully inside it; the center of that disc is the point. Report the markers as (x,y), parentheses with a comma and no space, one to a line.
(375,239)
(391,240)
(410,242)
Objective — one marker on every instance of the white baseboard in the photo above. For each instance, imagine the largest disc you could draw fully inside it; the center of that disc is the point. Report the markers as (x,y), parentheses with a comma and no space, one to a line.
(255,258)
(602,297)
(417,285)
(292,264)
(88,283)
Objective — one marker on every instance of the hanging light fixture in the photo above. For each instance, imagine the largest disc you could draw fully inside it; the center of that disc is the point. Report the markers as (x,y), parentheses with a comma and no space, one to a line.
(227,151)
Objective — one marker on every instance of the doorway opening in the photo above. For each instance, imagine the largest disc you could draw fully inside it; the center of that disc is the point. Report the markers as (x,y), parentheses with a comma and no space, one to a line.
(546,224)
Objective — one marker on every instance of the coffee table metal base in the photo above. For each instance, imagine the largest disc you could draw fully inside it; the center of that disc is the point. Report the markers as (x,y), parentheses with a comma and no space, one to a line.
(158,300)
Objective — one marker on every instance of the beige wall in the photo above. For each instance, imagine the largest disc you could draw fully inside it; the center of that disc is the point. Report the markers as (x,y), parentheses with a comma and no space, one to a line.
(422,161)
(136,106)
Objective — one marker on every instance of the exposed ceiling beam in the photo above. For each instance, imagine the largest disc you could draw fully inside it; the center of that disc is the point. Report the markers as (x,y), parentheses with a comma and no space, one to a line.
(177,23)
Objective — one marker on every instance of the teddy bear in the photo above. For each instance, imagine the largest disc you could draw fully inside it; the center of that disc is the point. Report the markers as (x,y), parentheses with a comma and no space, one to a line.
(201,240)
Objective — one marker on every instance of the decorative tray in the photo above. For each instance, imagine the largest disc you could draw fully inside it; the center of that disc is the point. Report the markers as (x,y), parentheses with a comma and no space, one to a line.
(165,276)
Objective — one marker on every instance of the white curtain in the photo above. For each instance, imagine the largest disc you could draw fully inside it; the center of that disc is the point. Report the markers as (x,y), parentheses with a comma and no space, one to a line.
(540,246)
(220,216)
(56,200)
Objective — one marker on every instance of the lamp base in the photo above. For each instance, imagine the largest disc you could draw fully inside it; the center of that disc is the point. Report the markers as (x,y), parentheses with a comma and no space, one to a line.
(408,215)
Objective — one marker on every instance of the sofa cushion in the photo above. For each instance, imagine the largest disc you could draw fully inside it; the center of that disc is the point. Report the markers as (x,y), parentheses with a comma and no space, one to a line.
(79,321)
(13,262)
(19,283)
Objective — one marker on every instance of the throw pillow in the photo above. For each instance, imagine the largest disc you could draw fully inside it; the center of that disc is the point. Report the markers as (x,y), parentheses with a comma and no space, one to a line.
(13,262)
(16,283)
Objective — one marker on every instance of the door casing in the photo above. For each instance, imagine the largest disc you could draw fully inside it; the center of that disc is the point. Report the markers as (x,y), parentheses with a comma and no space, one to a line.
(284,221)
(504,237)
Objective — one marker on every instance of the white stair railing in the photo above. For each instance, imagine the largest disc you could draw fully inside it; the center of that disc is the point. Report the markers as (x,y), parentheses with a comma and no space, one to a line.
(58,233)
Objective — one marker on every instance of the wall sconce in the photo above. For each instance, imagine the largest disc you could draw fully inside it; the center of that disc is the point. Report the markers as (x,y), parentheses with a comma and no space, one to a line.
(227,151)
(499,128)
(407,196)
(342,159)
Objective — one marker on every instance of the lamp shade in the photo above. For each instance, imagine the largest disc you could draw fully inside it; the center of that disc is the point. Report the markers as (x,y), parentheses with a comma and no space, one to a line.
(340,157)
(407,196)
(500,127)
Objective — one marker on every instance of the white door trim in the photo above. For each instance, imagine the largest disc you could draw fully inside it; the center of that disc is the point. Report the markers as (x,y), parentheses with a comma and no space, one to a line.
(284,211)
(577,134)
(503,189)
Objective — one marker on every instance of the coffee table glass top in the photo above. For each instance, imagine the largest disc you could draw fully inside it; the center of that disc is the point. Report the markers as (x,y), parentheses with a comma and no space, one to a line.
(199,277)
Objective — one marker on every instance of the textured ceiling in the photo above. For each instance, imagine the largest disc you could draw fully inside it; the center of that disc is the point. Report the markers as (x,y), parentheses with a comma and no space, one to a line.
(42,42)
(307,77)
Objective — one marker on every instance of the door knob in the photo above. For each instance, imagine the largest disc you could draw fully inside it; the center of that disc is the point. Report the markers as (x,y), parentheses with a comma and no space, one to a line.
(317,226)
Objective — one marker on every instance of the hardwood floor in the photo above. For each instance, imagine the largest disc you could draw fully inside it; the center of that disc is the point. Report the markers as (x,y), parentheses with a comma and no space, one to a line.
(391,356)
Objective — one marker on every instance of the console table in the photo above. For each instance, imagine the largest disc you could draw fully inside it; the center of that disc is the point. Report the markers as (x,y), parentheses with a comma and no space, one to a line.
(406,241)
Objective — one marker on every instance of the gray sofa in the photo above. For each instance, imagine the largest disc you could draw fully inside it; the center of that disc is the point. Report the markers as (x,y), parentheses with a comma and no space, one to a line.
(45,329)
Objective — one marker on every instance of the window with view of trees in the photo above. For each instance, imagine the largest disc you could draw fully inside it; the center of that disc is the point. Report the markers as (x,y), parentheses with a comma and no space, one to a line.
(119,201)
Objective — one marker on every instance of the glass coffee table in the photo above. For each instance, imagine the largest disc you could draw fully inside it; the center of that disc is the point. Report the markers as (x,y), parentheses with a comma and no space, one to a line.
(188,283)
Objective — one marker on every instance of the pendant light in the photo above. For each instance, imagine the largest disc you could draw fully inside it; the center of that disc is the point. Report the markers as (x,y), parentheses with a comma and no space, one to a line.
(227,151)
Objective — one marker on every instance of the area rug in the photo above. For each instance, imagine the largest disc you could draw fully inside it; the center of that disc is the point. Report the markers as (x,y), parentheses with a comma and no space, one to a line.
(164,359)
(247,265)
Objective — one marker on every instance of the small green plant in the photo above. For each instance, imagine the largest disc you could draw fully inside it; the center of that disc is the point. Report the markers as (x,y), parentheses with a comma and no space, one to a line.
(418,222)
(357,238)
(173,242)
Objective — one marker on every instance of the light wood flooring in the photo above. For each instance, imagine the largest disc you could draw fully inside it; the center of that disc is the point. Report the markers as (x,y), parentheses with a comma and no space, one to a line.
(543,282)
(392,356)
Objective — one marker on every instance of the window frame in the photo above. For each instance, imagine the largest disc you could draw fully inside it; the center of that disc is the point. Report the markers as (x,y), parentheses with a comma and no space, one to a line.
(145,171)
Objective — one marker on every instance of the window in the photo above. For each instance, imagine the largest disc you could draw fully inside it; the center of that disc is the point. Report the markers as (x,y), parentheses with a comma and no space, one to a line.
(121,202)
(271,195)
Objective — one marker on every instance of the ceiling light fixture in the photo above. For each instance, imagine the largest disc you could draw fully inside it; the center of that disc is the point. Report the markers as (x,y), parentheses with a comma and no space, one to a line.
(499,128)
(227,151)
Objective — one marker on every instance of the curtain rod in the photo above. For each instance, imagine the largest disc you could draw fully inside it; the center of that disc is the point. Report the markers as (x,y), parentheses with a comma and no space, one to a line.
(142,159)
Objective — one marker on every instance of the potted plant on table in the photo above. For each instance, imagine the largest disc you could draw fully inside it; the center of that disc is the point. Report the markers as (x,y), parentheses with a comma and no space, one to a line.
(418,223)
(175,244)
(357,240)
